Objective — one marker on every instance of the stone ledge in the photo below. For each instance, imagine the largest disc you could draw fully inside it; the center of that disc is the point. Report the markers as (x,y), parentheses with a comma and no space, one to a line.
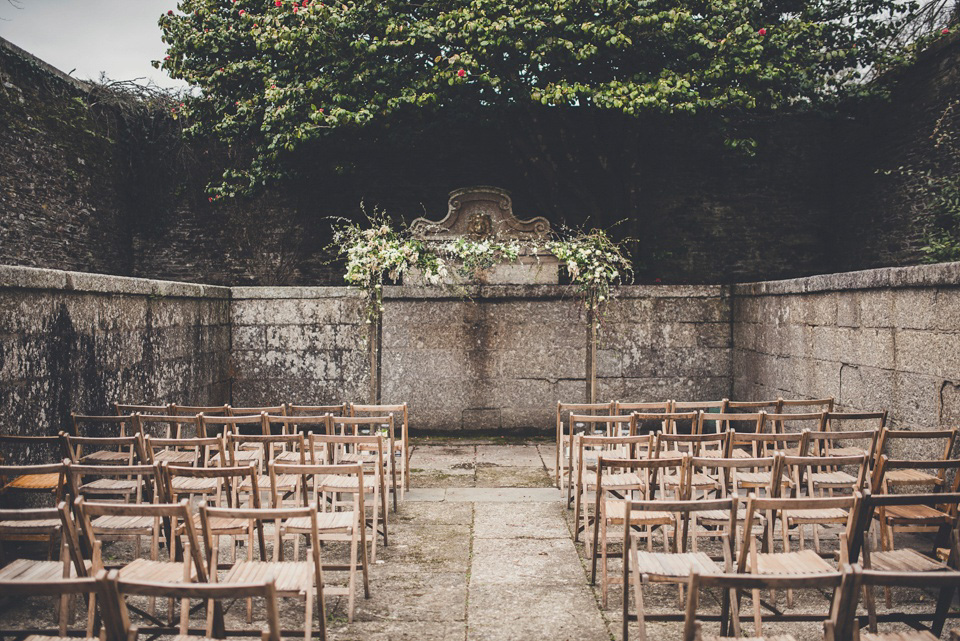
(271,293)
(16,277)
(939,275)
(529,292)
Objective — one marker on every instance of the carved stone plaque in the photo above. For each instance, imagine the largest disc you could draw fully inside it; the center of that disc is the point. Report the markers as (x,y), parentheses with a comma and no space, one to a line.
(480,212)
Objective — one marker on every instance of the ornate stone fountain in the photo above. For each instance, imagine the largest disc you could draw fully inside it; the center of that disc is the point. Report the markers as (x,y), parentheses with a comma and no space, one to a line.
(487,213)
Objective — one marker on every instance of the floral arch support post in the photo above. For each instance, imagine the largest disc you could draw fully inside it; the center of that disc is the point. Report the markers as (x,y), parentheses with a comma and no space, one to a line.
(375,253)
(597,265)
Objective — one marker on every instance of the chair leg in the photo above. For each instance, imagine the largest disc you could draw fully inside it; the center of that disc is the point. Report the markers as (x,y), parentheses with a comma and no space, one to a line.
(308,615)
(576,515)
(603,562)
(352,582)
(638,601)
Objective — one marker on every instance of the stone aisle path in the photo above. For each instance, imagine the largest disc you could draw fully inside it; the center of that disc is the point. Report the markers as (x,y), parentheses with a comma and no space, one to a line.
(481,551)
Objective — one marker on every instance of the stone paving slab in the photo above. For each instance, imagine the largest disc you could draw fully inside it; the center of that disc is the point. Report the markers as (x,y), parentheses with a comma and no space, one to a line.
(509,455)
(513,476)
(401,631)
(531,612)
(534,562)
(503,495)
(520,521)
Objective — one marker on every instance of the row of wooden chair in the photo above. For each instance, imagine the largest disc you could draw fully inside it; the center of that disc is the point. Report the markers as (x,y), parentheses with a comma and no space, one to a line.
(399,411)
(842,622)
(236,445)
(762,568)
(84,535)
(110,593)
(700,416)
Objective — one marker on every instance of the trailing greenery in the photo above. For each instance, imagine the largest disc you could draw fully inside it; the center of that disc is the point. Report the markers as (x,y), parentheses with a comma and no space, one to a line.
(279,74)
(933,184)
(378,251)
(595,263)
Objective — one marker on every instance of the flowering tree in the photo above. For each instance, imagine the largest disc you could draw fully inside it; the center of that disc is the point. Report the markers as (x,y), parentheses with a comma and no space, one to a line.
(279,74)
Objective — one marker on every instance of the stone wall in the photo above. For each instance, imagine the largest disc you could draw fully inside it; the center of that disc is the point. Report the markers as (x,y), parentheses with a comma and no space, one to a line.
(879,339)
(499,360)
(71,341)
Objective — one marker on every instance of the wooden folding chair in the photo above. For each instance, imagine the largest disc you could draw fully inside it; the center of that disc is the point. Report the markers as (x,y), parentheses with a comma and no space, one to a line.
(937,511)
(277,410)
(186,452)
(49,480)
(709,408)
(337,519)
(121,409)
(915,477)
(320,423)
(821,476)
(945,583)
(384,428)
(220,487)
(852,421)
(317,410)
(193,410)
(789,405)
(681,423)
(341,449)
(70,562)
(101,522)
(750,445)
(61,589)
(295,579)
(751,407)
(167,426)
(119,588)
(589,451)
(795,423)
(804,561)
(853,443)
(90,425)
(733,584)
(629,479)
(115,450)
(565,430)
(123,483)
(746,422)
(402,444)
(605,425)
(222,425)
(641,567)
(736,477)
(646,409)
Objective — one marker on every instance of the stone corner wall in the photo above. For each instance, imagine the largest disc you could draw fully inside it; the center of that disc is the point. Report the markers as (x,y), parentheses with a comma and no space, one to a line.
(884,338)
(72,341)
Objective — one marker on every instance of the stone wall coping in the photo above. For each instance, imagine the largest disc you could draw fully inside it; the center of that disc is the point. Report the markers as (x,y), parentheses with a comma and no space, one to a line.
(532,292)
(16,277)
(938,275)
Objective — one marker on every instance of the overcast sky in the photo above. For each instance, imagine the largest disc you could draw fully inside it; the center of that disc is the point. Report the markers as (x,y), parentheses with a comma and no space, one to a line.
(119,37)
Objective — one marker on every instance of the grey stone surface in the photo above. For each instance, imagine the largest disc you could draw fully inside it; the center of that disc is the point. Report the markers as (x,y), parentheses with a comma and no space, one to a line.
(79,342)
(882,339)
(496,361)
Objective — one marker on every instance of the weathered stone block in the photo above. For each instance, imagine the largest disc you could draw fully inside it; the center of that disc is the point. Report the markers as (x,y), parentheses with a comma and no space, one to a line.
(915,309)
